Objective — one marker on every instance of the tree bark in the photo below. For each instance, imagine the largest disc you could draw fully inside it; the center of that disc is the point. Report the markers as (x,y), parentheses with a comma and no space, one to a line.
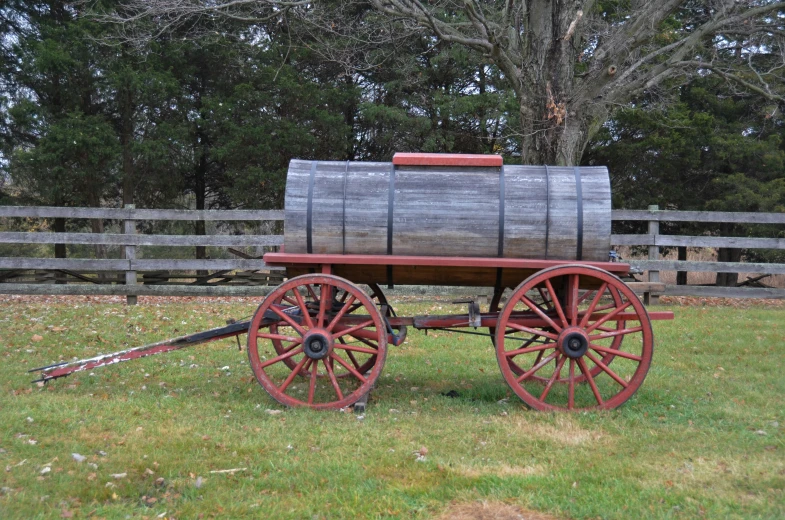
(728,254)
(125,99)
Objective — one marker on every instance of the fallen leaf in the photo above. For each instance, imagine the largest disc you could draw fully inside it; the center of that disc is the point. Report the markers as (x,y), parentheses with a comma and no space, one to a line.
(37,337)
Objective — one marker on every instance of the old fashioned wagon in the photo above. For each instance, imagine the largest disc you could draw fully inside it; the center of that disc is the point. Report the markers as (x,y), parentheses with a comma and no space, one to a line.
(568,333)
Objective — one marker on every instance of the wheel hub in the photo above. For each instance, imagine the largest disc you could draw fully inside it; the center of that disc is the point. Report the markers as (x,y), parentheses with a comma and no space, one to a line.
(573,342)
(317,345)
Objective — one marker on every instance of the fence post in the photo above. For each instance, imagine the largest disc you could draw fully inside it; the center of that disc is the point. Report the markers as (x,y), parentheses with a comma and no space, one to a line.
(129,228)
(654,254)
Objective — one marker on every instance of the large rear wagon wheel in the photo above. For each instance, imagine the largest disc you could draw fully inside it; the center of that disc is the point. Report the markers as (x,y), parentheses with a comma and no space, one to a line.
(563,362)
(338,345)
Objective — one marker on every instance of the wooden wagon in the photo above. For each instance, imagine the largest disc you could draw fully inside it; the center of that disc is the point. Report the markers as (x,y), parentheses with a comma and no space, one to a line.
(568,332)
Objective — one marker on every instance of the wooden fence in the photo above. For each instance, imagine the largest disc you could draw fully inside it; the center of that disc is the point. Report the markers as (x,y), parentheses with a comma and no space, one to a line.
(255,273)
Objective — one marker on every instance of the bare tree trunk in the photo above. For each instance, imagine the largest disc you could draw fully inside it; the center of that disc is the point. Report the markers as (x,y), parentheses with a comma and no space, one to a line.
(125,98)
(728,254)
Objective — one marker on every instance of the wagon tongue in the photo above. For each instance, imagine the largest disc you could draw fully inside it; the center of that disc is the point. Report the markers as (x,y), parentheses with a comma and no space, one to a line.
(64,369)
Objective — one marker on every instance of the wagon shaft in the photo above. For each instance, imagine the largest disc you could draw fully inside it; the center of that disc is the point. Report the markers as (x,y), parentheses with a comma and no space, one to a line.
(65,369)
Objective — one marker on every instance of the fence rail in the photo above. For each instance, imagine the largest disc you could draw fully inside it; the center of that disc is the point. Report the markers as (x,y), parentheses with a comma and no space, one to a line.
(654,240)
(131,265)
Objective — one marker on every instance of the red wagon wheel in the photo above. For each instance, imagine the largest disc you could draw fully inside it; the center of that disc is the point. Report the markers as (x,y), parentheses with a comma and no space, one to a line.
(340,296)
(341,354)
(545,298)
(546,351)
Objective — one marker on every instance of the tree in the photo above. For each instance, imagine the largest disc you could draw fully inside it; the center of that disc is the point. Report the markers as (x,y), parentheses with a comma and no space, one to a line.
(713,150)
(569,63)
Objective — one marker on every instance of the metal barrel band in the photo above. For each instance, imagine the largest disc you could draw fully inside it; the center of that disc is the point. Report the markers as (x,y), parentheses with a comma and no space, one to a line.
(309,210)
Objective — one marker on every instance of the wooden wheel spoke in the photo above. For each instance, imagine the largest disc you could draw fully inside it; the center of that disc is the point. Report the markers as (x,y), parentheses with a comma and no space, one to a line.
(341,313)
(545,299)
(344,332)
(582,298)
(539,357)
(556,373)
(600,308)
(556,303)
(325,295)
(311,292)
(571,384)
(540,313)
(514,366)
(573,288)
(607,370)
(593,304)
(536,332)
(348,367)
(293,373)
(527,350)
(361,340)
(303,308)
(357,349)
(607,317)
(312,385)
(538,366)
(289,300)
(620,353)
(353,360)
(286,355)
(613,333)
(590,379)
(288,319)
(281,337)
(333,379)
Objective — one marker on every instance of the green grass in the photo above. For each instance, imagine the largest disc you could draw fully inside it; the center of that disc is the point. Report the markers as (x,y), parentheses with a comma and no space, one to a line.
(690,444)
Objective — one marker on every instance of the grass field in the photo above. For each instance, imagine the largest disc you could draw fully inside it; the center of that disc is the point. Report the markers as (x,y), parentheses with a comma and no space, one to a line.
(703,438)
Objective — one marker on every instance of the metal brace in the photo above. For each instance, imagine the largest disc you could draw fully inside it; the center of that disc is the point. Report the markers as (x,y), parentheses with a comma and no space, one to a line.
(475,318)
(232,321)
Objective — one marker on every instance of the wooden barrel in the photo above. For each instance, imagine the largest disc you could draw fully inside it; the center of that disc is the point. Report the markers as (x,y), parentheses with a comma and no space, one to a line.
(426,205)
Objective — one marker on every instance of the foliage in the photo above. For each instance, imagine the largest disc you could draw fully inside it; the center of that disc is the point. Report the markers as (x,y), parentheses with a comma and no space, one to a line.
(700,439)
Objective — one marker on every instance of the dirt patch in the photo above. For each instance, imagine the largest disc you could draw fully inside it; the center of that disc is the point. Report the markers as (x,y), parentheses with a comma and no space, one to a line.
(492,511)
(562,431)
(502,470)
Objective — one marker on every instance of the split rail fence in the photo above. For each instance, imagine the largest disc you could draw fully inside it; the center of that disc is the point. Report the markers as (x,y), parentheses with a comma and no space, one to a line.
(248,276)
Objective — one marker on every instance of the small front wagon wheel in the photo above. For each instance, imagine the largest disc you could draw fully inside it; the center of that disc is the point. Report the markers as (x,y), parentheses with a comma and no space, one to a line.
(334,335)
(557,356)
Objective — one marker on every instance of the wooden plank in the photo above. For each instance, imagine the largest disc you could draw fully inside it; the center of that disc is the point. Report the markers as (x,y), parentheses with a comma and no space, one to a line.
(141,240)
(702,241)
(724,292)
(708,267)
(643,287)
(142,290)
(699,216)
(140,214)
(446,159)
(87,264)
(73,264)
